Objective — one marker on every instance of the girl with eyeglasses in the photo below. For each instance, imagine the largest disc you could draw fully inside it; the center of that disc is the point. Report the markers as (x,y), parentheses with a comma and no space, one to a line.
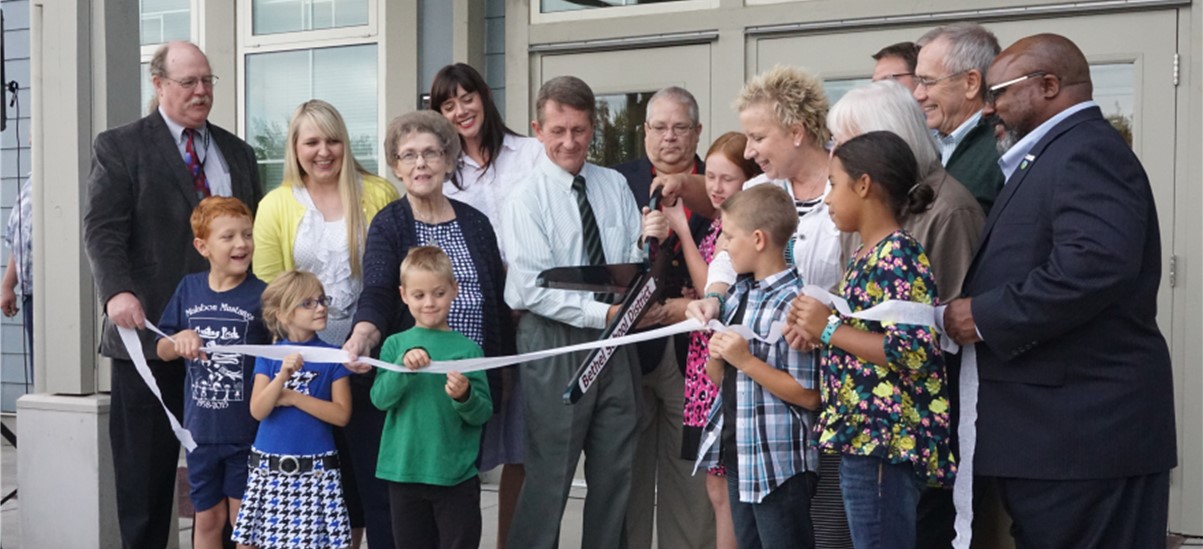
(294,496)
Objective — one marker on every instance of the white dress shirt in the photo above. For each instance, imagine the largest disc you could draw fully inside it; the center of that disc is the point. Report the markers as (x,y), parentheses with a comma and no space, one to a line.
(487,190)
(217,172)
(541,228)
(816,244)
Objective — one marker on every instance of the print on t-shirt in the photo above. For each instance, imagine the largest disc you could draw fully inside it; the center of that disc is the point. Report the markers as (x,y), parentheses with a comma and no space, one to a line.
(218,381)
(299,381)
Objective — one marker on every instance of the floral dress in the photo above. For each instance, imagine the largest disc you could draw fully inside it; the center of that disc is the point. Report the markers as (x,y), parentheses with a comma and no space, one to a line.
(898,413)
(699,390)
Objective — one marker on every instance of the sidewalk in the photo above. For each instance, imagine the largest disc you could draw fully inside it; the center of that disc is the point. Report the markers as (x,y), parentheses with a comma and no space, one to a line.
(10,521)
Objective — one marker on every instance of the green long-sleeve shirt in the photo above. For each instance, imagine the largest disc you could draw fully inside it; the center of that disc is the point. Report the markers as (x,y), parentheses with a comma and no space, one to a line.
(428,437)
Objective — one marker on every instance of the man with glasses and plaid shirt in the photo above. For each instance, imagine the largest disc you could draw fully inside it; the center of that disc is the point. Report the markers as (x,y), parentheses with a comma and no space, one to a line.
(950,87)
(147,177)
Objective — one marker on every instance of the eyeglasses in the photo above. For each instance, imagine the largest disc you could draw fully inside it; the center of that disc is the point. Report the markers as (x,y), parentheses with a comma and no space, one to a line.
(929,82)
(190,83)
(312,303)
(898,75)
(661,130)
(995,91)
(410,158)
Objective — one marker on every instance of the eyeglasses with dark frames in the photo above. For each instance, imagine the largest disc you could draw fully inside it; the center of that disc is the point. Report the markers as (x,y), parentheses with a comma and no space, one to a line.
(312,303)
(996,91)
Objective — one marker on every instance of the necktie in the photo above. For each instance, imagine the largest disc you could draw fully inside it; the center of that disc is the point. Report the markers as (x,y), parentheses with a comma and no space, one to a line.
(195,166)
(592,236)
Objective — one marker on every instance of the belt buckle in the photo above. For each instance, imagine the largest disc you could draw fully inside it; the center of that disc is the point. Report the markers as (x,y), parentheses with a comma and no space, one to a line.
(289,465)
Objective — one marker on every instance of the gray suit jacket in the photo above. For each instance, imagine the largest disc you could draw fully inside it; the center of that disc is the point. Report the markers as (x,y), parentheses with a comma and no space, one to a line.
(136,220)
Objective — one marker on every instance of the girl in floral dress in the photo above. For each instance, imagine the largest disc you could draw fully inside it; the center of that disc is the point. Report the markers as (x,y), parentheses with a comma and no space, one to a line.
(884,385)
(726,171)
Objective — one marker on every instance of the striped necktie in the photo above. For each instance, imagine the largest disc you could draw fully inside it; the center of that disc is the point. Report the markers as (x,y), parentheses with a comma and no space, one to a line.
(195,166)
(592,236)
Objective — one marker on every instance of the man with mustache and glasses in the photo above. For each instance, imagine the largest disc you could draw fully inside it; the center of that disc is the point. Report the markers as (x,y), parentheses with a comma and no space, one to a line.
(1061,303)
(146,178)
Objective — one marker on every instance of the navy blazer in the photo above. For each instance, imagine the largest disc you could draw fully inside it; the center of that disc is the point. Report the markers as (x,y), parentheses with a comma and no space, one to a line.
(1075,375)
(136,230)
(639,179)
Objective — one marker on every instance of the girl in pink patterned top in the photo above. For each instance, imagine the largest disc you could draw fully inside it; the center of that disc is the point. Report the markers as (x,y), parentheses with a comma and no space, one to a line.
(726,171)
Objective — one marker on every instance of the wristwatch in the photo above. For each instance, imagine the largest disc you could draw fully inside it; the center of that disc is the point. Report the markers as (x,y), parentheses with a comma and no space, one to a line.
(834,321)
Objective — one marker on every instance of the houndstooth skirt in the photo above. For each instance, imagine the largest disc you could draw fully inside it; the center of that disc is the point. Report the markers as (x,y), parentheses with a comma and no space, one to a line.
(293,511)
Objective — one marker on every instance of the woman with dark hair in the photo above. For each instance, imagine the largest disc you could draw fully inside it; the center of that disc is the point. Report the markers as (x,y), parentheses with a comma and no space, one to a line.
(493,157)
(493,154)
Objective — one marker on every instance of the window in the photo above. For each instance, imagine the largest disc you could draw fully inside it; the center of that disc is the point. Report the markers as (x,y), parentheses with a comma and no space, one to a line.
(836,89)
(277,82)
(1113,91)
(165,20)
(552,6)
(278,16)
(618,136)
(148,89)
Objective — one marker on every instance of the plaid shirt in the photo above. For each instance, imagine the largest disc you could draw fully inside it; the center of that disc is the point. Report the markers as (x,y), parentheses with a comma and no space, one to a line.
(775,440)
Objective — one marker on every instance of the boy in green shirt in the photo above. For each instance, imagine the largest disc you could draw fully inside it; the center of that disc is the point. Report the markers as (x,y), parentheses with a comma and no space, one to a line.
(432,429)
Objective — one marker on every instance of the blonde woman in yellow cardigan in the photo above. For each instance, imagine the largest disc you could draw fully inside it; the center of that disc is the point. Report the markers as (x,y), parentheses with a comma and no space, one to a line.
(317,219)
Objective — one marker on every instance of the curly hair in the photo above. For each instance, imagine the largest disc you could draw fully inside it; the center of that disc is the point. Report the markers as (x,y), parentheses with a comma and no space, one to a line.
(797,98)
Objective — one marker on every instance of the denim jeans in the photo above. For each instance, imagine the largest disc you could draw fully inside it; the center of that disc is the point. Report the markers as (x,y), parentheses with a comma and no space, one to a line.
(781,519)
(880,500)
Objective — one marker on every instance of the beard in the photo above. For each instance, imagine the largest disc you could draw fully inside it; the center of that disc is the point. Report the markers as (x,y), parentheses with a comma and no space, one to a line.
(1007,140)
(1006,136)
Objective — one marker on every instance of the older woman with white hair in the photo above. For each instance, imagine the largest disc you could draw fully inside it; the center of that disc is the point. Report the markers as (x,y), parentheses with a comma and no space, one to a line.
(949,229)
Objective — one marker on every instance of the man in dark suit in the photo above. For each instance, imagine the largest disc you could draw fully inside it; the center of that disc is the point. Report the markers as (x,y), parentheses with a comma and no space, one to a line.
(1075,407)
(662,483)
(146,178)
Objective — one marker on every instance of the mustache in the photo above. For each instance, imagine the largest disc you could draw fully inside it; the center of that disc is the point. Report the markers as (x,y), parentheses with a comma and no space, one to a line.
(199,101)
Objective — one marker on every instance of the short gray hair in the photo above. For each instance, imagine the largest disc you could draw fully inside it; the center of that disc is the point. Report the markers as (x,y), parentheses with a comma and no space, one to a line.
(680,96)
(971,47)
(421,121)
(885,106)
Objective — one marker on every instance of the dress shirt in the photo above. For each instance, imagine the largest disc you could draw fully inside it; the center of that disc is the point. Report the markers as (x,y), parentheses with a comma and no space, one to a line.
(19,236)
(1010,161)
(775,440)
(541,228)
(217,173)
(488,190)
(816,250)
(950,142)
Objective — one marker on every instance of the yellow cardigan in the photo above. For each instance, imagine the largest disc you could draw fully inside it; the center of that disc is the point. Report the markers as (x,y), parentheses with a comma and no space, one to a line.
(280,213)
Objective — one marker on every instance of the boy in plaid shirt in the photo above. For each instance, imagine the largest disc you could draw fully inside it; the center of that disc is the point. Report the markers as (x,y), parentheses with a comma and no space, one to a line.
(761,425)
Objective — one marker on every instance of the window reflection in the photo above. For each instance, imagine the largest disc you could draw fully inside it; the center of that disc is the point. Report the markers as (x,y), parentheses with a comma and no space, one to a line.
(277,82)
(1113,91)
(618,136)
(551,6)
(276,16)
(836,89)
(164,20)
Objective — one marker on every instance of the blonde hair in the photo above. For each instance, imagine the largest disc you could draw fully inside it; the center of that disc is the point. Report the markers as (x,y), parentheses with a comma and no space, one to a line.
(283,295)
(431,259)
(765,208)
(796,97)
(326,120)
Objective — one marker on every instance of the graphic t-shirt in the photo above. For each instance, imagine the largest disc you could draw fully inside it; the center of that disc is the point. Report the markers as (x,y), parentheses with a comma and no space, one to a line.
(288,429)
(217,399)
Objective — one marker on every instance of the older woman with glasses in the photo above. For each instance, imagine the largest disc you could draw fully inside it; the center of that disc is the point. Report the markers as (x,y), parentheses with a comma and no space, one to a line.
(422,148)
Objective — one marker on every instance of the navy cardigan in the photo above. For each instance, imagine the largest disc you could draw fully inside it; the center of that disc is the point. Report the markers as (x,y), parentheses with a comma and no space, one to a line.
(392,234)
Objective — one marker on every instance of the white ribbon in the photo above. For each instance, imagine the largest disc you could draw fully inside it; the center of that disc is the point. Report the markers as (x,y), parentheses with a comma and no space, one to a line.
(133,346)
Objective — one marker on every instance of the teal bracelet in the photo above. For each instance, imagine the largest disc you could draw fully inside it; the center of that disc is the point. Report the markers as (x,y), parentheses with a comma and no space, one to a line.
(717,296)
(833,324)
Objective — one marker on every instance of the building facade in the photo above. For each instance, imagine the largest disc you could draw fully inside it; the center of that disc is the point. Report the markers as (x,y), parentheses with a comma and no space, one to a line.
(374,59)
